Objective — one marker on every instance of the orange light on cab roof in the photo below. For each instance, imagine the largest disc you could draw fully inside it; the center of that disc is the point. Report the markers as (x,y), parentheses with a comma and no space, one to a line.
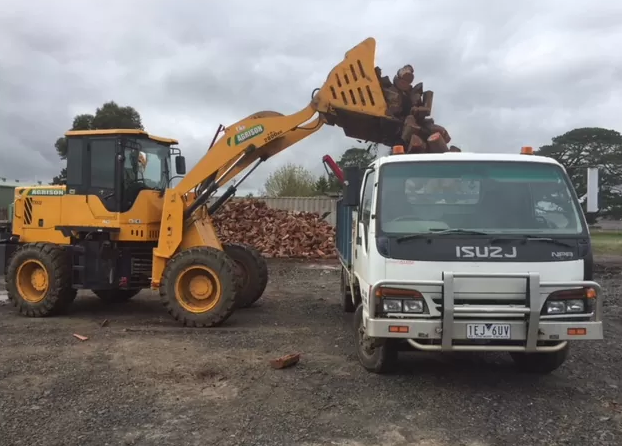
(398,150)
(526,150)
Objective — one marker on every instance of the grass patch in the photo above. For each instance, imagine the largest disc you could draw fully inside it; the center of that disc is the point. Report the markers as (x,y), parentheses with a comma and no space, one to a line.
(606,242)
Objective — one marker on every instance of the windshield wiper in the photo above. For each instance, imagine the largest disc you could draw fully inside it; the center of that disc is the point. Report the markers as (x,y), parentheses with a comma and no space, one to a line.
(456,231)
(528,238)
(438,231)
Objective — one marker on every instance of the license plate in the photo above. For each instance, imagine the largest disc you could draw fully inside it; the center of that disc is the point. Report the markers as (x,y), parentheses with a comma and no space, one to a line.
(488,331)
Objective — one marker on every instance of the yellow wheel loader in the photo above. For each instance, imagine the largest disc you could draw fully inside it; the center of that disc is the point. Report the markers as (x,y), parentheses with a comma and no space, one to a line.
(118,225)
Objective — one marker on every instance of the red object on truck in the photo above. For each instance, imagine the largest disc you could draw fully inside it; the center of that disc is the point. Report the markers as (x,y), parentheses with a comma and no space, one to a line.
(333,166)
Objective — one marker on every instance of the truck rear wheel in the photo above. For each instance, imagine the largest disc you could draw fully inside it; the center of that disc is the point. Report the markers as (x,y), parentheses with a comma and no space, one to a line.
(251,271)
(542,363)
(198,287)
(377,355)
(116,296)
(38,280)
(346,295)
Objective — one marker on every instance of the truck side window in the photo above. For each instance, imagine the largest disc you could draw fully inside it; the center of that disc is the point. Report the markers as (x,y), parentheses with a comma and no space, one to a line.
(366,210)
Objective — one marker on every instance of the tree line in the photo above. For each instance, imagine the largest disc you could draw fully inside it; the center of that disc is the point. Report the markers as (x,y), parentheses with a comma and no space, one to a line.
(576,150)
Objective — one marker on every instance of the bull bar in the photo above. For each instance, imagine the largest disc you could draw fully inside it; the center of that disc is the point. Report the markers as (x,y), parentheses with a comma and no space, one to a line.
(534,328)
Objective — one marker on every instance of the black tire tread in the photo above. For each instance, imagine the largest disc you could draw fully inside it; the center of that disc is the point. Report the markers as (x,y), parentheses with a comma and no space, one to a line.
(258,281)
(221,264)
(60,292)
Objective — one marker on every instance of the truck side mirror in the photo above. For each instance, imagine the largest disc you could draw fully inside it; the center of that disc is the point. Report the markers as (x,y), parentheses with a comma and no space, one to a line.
(353,177)
(180,165)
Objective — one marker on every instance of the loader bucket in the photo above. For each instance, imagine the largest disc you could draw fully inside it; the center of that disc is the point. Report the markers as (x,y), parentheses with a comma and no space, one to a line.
(352,98)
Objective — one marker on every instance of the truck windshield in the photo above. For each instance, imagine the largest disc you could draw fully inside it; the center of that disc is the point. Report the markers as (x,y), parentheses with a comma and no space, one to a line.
(491,197)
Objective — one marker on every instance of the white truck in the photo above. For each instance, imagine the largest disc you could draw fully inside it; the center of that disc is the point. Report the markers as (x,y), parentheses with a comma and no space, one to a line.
(466,252)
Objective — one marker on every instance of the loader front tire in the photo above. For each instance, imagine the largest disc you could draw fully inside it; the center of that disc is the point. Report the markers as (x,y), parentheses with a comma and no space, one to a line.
(38,280)
(116,296)
(251,272)
(198,287)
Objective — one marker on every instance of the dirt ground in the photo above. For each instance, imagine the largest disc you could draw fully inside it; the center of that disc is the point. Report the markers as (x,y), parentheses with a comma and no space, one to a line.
(144,380)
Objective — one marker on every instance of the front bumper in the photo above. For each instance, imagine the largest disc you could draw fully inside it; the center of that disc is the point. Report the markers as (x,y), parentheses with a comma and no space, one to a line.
(528,328)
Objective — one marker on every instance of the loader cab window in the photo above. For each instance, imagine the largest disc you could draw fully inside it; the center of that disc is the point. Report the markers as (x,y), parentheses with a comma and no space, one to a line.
(146,166)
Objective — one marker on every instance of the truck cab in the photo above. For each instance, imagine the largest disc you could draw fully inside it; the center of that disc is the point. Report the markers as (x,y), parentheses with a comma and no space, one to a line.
(466,252)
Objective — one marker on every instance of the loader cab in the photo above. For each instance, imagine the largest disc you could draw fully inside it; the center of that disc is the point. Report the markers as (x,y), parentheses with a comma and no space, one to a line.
(116,165)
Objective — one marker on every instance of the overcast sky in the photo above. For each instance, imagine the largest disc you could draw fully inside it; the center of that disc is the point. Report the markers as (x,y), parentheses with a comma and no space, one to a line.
(504,73)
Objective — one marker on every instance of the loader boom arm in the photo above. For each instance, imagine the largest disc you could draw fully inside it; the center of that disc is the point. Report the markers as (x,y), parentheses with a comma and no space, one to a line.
(350,98)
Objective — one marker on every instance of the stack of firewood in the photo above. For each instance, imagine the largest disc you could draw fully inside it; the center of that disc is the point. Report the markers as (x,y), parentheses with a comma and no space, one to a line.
(275,232)
(413,105)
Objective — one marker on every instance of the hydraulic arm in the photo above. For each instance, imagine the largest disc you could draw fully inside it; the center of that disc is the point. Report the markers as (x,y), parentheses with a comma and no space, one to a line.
(350,98)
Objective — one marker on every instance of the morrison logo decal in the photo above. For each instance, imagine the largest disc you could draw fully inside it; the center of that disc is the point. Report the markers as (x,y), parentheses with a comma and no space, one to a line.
(46,192)
(248,134)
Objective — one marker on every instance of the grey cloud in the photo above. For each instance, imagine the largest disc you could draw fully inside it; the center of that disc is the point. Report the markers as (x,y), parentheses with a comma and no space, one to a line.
(505,74)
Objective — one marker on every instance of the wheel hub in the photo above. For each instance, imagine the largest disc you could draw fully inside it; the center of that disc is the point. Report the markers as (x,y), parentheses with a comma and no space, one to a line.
(198,289)
(201,287)
(38,279)
(32,281)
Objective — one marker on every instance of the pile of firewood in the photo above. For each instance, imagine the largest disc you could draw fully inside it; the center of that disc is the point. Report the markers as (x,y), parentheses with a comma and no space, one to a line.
(413,106)
(275,232)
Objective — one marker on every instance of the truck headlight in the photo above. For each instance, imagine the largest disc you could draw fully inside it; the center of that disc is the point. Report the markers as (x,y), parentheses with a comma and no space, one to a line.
(392,305)
(575,306)
(565,306)
(555,307)
(572,301)
(413,306)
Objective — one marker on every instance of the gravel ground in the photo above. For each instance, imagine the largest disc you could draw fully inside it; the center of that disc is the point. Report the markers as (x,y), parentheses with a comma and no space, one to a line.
(143,380)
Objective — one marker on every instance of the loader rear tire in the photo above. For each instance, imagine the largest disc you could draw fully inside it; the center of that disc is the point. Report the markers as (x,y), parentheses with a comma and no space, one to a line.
(38,280)
(116,296)
(198,287)
(251,273)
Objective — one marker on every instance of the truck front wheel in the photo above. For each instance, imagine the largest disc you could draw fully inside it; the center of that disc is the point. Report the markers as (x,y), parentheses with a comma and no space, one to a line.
(377,355)
(542,363)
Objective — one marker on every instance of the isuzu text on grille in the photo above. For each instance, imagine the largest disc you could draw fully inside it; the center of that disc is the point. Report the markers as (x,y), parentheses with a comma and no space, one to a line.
(494,252)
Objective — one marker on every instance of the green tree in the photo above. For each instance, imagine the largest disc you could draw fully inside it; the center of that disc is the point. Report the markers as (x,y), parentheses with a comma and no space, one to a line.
(322,186)
(290,180)
(109,116)
(591,147)
(354,156)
